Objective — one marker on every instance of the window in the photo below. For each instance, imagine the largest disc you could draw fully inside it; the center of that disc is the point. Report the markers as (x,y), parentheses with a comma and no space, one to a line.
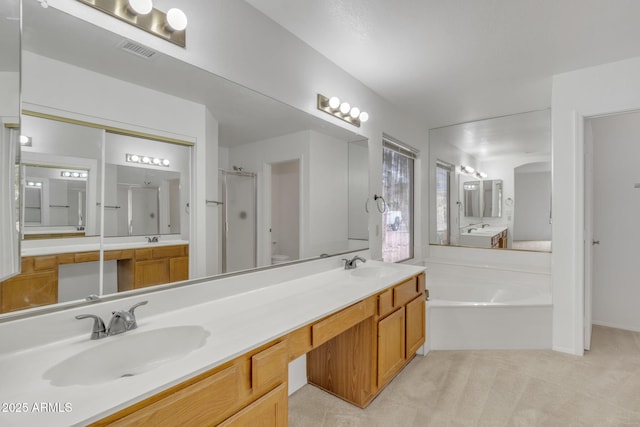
(397,190)
(443,197)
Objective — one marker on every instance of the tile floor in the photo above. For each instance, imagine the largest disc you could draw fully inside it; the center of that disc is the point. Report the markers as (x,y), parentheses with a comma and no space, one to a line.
(497,388)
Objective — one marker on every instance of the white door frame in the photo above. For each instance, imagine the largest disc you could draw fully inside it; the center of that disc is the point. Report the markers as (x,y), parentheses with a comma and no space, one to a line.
(587,138)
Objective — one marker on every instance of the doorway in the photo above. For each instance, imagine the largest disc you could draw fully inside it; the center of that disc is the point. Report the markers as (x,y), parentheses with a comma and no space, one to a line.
(285,211)
(239,219)
(612,205)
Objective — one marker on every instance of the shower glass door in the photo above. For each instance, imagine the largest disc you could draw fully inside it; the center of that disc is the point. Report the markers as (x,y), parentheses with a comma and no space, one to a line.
(239,243)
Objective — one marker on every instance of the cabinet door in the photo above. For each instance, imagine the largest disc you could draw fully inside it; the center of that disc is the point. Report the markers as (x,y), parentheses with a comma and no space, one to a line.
(29,290)
(152,272)
(391,345)
(415,325)
(179,269)
(202,403)
(271,410)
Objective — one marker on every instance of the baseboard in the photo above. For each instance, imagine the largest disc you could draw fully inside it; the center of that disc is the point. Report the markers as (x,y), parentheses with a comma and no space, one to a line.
(616,326)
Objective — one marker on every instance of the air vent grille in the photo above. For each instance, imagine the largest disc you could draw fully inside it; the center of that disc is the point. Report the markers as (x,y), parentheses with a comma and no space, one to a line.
(137,49)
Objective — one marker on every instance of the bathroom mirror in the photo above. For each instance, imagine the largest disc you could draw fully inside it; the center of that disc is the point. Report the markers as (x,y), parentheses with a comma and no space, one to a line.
(71,69)
(54,197)
(492,198)
(63,159)
(477,177)
(10,190)
(147,187)
(471,191)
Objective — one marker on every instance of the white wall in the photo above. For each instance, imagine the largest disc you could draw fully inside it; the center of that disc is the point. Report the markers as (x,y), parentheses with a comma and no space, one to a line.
(285,209)
(532,206)
(10,95)
(328,228)
(616,206)
(604,89)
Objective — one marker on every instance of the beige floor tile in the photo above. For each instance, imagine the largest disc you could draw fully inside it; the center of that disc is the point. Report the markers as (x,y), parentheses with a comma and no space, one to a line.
(497,388)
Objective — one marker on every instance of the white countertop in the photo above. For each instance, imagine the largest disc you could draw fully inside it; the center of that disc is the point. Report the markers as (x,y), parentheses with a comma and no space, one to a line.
(61,246)
(236,323)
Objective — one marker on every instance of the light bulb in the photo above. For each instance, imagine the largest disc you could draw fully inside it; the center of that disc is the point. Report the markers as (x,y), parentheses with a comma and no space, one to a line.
(31,184)
(156,161)
(83,175)
(334,102)
(66,174)
(38,184)
(141,7)
(25,140)
(176,19)
(355,112)
(145,159)
(345,107)
(134,158)
(75,175)
(364,116)
(165,162)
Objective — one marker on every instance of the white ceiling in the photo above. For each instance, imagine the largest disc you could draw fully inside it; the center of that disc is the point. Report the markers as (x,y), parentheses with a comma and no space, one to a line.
(453,61)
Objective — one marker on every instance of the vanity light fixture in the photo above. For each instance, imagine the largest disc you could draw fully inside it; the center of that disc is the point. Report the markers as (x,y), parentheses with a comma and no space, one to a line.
(74,174)
(481,175)
(147,160)
(342,110)
(467,169)
(170,26)
(26,141)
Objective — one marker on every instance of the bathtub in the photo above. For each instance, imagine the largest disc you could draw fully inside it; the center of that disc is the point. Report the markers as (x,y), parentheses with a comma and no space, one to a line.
(471,308)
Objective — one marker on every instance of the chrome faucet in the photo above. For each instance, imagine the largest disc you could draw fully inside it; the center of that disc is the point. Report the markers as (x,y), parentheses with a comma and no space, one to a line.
(471,229)
(153,239)
(121,321)
(485,225)
(352,263)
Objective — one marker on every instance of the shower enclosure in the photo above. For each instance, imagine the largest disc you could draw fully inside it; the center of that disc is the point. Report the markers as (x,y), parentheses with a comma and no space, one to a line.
(238,190)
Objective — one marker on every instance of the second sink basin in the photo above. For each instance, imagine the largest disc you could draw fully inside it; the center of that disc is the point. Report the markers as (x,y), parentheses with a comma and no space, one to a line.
(376,272)
(127,355)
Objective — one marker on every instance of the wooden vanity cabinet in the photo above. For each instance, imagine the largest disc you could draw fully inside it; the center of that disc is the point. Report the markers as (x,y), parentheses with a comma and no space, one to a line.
(352,354)
(156,266)
(37,284)
(248,391)
(356,364)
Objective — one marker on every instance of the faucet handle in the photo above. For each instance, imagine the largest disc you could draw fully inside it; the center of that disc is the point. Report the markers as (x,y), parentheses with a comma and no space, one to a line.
(131,312)
(99,330)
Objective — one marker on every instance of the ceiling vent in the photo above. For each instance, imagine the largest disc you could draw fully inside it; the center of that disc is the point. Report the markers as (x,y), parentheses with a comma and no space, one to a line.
(137,49)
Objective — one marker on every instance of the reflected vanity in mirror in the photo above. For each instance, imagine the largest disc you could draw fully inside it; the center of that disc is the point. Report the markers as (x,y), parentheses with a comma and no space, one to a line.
(491,183)
(308,178)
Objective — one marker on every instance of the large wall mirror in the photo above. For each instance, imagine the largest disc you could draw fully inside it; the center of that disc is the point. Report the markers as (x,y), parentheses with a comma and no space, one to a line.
(9,134)
(110,198)
(490,183)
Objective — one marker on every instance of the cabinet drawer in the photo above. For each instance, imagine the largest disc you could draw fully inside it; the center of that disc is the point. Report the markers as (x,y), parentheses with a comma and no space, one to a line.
(168,251)
(270,410)
(142,254)
(405,292)
(45,263)
(385,303)
(87,256)
(328,328)
(203,403)
(269,368)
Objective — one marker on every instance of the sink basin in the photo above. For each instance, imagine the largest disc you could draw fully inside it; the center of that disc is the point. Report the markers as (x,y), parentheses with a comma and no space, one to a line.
(372,272)
(127,355)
